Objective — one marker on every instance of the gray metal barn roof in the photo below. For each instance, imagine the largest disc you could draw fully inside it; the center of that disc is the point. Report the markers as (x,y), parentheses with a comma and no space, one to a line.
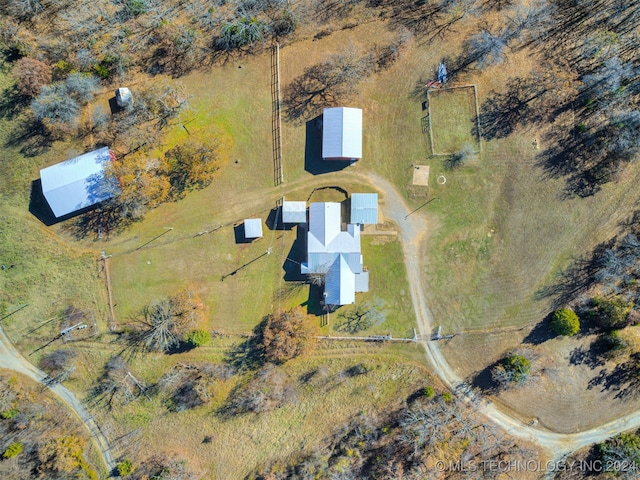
(77,183)
(364,208)
(342,133)
(294,212)
(252,228)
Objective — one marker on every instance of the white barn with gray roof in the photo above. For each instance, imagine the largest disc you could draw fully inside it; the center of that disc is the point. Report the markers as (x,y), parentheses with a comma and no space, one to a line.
(78,183)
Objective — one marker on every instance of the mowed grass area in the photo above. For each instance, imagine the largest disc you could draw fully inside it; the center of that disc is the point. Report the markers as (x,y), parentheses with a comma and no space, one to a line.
(453,119)
(262,283)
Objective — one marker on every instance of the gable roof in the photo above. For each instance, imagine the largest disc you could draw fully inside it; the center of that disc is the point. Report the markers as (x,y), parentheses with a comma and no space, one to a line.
(342,133)
(334,253)
(364,208)
(77,183)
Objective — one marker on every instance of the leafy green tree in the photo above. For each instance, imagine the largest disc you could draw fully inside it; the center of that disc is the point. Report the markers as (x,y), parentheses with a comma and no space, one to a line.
(564,321)
(612,313)
(512,370)
(13,450)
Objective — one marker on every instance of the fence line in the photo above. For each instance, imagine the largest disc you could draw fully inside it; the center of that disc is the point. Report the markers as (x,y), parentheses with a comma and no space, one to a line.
(276,120)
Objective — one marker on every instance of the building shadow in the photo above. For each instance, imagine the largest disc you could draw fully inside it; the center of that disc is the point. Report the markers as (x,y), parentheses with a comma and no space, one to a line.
(239,234)
(113,106)
(274,220)
(313,162)
(39,207)
(295,257)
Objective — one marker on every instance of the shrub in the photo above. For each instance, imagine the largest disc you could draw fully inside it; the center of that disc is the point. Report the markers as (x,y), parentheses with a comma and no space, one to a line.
(125,468)
(429,392)
(9,414)
(13,450)
(198,338)
(565,322)
(447,397)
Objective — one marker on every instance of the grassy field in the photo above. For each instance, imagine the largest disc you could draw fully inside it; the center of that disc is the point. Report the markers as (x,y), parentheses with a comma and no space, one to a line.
(453,119)
(242,443)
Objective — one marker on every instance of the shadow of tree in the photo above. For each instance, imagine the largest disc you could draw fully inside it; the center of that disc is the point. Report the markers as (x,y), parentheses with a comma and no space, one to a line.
(540,333)
(248,354)
(31,137)
(623,379)
(576,279)
(12,102)
(483,380)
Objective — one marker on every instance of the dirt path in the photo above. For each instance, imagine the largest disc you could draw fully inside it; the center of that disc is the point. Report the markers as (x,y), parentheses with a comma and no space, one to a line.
(11,359)
(412,231)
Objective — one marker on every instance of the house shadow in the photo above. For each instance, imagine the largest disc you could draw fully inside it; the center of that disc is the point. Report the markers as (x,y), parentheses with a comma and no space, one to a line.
(295,257)
(313,162)
(113,106)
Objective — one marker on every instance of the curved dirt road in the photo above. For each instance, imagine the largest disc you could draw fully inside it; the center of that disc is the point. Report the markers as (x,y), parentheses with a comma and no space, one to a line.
(412,231)
(11,359)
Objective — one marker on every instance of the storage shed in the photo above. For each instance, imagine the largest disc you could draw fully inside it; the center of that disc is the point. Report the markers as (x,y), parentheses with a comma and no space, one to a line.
(253,228)
(364,208)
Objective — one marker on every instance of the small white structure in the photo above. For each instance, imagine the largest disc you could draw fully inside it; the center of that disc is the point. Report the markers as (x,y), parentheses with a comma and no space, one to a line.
(294,212)
(342,133)
(78,183)
(364,208)
(252,228)
(124,97)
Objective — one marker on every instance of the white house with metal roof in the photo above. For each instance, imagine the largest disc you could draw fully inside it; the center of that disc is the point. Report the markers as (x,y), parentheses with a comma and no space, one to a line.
(335,253)
(364,208)
(78,183)
(342,133)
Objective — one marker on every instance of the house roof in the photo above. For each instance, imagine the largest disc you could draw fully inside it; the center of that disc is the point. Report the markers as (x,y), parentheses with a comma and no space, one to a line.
(252,228)
(342,133)
(294,212)
(340,283)
(334,252)
(77,183)
(364,208)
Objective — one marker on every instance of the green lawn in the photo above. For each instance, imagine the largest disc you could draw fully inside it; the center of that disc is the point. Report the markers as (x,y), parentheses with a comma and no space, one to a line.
(453,119)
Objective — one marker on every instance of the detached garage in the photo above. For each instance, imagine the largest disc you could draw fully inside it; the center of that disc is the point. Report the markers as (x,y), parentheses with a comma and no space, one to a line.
(342,133)
(77,183)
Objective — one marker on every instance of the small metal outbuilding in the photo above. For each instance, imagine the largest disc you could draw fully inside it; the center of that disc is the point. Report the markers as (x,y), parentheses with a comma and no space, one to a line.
(294,212)
(253,228)
(364,208)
